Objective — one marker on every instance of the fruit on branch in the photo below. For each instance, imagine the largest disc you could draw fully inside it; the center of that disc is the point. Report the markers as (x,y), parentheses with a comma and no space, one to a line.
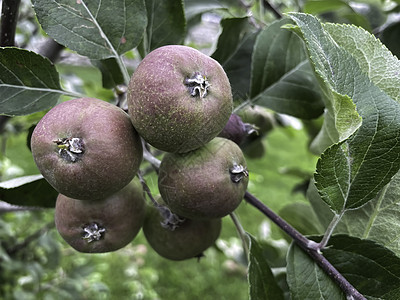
(179,98)
(208,182)
(101,225)
(259,117)
(188,240)
(263,122)
(86,148)
(236,130)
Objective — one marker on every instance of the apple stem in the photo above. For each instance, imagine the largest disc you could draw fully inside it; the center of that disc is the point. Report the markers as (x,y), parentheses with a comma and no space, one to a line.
(242,235)
(170,220)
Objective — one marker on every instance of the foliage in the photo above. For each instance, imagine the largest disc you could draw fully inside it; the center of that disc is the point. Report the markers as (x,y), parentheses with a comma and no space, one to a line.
(326,67)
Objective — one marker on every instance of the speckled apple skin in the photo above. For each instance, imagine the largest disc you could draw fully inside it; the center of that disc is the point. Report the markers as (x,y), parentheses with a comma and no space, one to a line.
(113,150)
(189,240)
(198,184)
(121,214)
(162,108)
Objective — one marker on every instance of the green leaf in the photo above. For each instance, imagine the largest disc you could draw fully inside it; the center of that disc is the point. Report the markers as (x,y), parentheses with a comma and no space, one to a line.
(233,32)
(371,268)
(378,220)
(321,208)
(32,190)
(97,29)
(262,284)
(234,51)
(341,120)
(301,216)
(352,172)
(323,6)
(166,24)
(374,59)
(307,280)
(282,78)
(110,72)
(28,82)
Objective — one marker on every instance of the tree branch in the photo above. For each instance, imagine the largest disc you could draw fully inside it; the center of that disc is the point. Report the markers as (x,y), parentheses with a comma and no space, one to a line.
(9,17)
(310,247)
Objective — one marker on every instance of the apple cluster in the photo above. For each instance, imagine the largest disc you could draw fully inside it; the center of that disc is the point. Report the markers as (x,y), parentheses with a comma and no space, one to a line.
(180,102)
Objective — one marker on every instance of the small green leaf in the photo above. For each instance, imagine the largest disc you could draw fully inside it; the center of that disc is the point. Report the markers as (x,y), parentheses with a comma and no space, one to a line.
(234,51)
(97,29)
(352,172)
(262,284)
(166,24)
(32,190)
(307,280)
(28,82)
(282,78)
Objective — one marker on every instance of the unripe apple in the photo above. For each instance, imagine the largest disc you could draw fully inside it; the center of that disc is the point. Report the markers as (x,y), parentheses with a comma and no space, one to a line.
(189,239)
(102,225)
(86,148)
(208,182)
(179,98)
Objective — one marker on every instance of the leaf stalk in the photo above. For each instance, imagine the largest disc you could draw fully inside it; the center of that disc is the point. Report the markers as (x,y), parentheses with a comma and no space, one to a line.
(329,231)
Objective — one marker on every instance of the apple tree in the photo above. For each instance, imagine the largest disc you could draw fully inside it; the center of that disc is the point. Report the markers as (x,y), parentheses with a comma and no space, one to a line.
(171,142)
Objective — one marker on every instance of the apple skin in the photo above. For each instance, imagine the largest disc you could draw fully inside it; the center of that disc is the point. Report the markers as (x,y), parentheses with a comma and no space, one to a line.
(162,108)
(188,240)
(235,130)
(198,184)
(121,215)
(112,148)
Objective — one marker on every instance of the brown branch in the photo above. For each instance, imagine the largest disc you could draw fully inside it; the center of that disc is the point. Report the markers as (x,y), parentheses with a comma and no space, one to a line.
(310,247)
(9,18)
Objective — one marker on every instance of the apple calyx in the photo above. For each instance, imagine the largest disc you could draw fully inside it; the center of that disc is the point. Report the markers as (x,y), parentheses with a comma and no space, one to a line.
(238,172)
(197,85)
(93,232)
(70,149)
